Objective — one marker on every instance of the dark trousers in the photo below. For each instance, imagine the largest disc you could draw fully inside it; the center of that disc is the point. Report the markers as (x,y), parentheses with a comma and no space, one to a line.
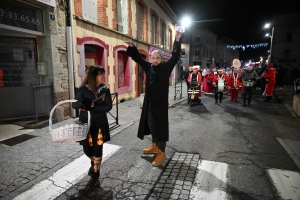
(153,129)
(218,94)
(247,92)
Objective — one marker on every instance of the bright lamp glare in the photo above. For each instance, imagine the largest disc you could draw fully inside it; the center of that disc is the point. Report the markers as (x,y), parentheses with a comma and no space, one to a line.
(186,21)
(267,25)
(267,34)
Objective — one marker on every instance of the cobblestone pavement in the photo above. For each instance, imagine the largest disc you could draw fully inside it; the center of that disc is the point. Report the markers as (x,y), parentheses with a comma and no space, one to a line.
(24,165)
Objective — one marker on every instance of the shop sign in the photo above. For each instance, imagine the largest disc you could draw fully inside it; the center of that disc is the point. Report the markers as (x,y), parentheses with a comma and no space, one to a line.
(48,2)
(21,15)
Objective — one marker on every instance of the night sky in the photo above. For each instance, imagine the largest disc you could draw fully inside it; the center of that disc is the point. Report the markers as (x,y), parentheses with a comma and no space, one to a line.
(242,21)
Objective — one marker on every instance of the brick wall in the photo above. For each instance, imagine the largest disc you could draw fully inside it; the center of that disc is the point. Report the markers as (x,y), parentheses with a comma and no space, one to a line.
(145,19)
(102,16)
(78,7)
(115,15)
(129,18)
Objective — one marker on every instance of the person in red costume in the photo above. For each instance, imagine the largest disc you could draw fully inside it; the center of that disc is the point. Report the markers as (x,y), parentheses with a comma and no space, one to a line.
(196,78)
(270,77)
(234,84)
(219,83)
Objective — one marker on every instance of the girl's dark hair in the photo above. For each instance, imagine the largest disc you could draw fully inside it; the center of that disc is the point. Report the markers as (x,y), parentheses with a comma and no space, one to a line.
(91,74)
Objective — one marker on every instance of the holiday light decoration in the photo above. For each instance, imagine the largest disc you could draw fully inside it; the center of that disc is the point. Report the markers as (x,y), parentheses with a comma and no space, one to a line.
(254,46)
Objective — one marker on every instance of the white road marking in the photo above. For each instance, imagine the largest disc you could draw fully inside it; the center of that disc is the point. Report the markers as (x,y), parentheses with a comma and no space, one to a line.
(210,181)
(286,183)
(64,178)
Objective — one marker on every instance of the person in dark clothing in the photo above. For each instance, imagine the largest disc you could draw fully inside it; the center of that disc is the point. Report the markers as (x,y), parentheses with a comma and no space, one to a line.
(154,117)
(186,76)
(94,96)
(248,78)
(279,76)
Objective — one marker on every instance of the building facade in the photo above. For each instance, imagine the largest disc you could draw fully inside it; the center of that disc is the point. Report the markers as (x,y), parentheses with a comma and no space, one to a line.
(285,41)
(204,48)
(46,47)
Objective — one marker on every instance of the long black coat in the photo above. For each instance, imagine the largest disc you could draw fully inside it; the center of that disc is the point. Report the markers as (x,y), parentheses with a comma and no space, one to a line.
(102,106)
(158,92)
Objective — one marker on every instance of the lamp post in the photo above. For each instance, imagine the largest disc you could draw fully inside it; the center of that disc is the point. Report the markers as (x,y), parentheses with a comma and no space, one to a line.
(267,25)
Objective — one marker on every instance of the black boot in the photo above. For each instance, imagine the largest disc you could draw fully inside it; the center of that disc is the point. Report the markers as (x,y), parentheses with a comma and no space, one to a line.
(91,168)
(94,181)
(268,99)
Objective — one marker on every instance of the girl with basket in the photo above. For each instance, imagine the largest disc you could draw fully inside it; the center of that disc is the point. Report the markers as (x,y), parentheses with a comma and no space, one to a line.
(94,96)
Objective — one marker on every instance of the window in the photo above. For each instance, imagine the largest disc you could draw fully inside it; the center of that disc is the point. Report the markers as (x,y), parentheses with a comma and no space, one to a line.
(140,22)
(197,52)
(207,53)
(153,29)
(289,37)
(183,52)
(163,34)
(287,53)
(89,10)
(197,40)
(204,51)
(122,16)
(170,39)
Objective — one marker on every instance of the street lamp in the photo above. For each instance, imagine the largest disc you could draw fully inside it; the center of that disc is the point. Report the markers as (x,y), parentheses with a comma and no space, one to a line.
(267,25)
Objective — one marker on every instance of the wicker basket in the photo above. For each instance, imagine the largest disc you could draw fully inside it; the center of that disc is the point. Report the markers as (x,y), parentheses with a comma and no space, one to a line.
(69,132)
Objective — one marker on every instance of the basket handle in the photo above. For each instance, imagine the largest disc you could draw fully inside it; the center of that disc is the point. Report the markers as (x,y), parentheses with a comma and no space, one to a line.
(62,102)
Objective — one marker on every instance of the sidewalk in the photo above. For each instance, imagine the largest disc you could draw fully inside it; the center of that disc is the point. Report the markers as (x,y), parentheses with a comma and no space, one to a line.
(128,111)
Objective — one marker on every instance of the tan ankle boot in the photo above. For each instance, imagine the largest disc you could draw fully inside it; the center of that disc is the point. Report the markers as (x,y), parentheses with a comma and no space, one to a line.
(152,149)
(160,157)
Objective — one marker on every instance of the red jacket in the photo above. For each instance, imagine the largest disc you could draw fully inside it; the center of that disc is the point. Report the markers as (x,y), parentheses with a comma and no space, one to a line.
(270,75)
(224,77)
(233,82)
(199,78)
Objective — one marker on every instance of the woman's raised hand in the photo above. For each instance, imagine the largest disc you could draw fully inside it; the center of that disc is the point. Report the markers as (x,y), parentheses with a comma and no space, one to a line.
(178,35)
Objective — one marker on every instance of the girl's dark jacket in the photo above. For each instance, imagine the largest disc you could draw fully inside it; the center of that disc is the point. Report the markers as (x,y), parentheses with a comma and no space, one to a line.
(157,92)
(102,106)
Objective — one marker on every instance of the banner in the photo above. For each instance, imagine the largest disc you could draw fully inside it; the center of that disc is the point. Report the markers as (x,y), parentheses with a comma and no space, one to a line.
(247,46)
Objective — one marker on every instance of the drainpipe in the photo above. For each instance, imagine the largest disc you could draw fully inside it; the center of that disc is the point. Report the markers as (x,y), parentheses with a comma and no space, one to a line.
(69,39)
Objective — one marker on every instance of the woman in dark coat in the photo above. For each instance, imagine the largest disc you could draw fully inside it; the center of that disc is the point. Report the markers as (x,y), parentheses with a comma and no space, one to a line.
(94,96)
(154,117)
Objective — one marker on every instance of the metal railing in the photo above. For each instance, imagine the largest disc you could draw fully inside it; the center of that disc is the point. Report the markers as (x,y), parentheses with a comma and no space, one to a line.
(43,99)
(116,118)
(178,90)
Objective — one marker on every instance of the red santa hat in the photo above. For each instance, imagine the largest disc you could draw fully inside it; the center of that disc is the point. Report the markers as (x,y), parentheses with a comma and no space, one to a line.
(221,69)
(270,65)
(196,68)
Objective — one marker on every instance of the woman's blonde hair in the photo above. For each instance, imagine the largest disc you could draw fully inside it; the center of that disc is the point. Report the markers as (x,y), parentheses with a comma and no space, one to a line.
(156,51)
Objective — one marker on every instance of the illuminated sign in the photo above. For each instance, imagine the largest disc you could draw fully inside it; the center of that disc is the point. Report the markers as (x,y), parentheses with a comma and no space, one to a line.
(21,15)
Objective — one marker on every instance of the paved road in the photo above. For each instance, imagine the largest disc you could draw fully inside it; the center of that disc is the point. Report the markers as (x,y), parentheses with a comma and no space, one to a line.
(216,151)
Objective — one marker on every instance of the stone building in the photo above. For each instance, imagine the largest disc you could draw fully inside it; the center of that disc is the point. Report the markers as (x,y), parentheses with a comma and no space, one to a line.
(47,45)
(205,48)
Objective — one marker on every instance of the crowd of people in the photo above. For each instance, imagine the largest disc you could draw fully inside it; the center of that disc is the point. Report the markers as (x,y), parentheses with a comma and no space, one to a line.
(237,79)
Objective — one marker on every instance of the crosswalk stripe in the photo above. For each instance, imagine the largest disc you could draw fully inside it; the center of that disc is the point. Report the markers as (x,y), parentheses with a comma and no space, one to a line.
(64,178)
(286,183)
(210,181)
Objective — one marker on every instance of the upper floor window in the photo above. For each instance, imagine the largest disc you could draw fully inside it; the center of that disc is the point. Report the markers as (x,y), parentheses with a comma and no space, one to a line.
(197,40)
(287,53)
(163,34)
(183,52)
(140,22)
(170,39)
(197,52)
(89,10)
(289,37)
(122,16)
(153,29)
